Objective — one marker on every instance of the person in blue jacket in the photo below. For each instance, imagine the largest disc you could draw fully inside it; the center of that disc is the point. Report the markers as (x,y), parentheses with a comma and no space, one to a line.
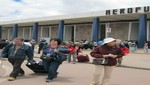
(16,53)
(52,56)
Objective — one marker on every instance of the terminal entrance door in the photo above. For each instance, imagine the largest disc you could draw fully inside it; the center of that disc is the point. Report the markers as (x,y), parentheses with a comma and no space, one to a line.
(69,33)
(102,32)
(6,33)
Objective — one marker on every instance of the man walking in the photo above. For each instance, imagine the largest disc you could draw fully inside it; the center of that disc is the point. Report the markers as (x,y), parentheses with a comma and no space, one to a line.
(16,53)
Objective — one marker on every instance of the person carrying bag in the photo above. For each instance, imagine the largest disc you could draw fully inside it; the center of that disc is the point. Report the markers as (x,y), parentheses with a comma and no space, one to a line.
(105,60)
(52,56)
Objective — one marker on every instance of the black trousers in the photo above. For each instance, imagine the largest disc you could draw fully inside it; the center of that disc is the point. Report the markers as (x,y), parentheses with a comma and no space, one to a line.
(16,63)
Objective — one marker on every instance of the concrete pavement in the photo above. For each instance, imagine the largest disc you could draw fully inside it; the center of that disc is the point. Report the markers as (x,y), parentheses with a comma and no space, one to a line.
(135,70)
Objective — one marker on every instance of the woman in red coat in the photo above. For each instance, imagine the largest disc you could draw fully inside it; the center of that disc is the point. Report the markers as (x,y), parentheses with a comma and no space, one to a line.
(74,49)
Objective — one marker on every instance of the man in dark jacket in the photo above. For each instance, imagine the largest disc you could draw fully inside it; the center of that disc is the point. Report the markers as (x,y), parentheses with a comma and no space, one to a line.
(41,45)
(16,53)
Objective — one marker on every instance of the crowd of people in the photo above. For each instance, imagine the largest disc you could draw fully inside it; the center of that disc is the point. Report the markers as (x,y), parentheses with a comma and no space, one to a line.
(107,53)
(82,44)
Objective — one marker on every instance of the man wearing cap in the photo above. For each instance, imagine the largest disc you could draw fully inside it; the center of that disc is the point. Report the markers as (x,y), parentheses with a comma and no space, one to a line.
(107,51)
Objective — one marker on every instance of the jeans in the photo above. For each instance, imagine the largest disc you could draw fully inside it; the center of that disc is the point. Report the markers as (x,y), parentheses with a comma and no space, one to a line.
(16,63)
(52,67)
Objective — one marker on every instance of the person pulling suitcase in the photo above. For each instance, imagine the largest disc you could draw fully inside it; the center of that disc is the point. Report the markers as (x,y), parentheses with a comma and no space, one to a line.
(16,53)
(52,57)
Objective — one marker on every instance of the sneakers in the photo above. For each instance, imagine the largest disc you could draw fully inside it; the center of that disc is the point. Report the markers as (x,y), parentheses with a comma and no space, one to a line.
(48,80)
(11,79)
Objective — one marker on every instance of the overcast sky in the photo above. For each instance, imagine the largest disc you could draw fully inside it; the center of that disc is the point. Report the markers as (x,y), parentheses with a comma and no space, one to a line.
(23,9)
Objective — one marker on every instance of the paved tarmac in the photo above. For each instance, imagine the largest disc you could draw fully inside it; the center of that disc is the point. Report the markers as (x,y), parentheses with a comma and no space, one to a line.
(135,70)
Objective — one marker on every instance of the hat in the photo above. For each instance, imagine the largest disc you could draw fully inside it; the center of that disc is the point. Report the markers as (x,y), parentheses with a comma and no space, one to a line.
(101,42)
(108,40)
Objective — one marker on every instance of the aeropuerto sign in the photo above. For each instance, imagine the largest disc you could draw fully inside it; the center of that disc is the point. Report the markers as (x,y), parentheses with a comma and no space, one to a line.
(128,10)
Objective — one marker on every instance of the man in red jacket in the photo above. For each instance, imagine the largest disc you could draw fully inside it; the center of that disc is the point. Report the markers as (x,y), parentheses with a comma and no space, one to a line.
(107,51)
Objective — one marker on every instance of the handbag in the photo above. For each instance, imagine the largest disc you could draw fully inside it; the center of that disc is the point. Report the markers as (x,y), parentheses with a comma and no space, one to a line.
(100,61)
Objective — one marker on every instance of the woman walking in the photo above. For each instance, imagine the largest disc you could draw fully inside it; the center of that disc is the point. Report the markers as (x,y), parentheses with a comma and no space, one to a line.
(52,58)
(108,53)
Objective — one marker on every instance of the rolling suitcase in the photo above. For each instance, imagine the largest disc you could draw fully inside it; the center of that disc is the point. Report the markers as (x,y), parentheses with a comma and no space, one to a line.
(82,58)
(37,67)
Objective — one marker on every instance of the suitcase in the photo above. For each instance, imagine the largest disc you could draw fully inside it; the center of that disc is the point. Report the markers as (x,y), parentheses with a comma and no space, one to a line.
(37,67)
(82,58)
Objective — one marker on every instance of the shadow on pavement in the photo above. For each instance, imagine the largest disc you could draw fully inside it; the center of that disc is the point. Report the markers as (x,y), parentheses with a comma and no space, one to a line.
(132,67)
(26,77)
(33,75)
(64,79)
(38,74)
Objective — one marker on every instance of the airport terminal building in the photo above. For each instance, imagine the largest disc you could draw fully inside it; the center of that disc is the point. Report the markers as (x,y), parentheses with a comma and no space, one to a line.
(125,24)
